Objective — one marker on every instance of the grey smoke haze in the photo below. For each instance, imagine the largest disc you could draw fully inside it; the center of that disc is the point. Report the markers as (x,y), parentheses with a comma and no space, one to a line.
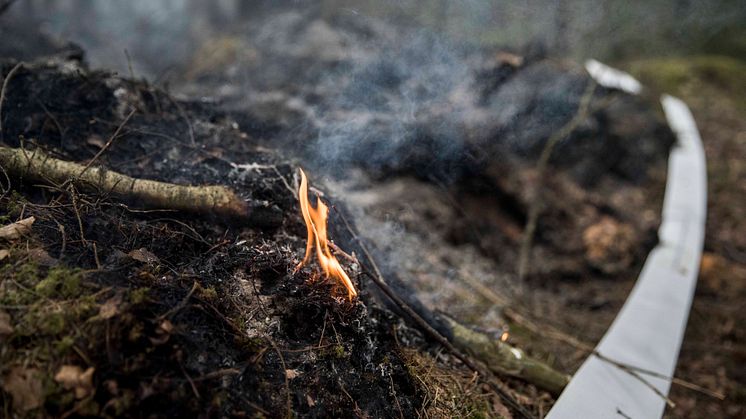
(375,84)
(163,34)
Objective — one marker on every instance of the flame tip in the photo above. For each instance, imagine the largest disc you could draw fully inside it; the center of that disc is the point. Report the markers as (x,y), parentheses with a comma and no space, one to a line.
(316,229)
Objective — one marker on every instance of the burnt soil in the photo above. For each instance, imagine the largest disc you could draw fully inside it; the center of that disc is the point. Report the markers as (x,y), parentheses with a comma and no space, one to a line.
(203,317)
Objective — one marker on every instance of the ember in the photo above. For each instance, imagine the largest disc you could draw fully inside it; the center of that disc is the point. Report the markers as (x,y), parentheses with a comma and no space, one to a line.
(316,219)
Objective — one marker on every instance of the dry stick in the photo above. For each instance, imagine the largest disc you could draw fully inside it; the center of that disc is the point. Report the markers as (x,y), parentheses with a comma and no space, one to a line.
(10,75)
(558,335)
(181,305)
(534,197)
(289,413)
(217,200)
(108,143)
(182,113)
(503,358)
(424,325)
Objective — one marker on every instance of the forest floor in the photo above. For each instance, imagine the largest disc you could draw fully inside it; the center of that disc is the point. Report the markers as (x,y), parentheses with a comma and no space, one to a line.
(714,348)
(108,309)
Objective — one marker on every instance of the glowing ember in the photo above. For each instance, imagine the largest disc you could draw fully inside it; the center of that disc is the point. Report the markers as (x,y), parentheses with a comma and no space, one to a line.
(315,219)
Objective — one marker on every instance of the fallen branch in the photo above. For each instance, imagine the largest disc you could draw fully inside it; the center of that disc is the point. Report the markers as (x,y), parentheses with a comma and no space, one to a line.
(502,358)
(16,230)
(547,331)
(219,201)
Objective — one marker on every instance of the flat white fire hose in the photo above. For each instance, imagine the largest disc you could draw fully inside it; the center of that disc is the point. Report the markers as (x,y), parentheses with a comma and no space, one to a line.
(648,331)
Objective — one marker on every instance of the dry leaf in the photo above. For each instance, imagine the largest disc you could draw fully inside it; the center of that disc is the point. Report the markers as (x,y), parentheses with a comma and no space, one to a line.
(5,327)
(290,374)
(4,253)
(143,255)
(110,307)
(96,141)
(72,377)
(25,386)
(16,230)
(163,332)
(166,326)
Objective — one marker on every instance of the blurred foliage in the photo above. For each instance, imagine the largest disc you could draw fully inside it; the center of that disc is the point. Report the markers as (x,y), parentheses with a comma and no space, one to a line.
(725,76)
(608,29)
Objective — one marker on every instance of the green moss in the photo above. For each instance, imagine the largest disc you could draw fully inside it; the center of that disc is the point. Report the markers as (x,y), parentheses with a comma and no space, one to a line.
(139,295)
(135,332)
(63,345)
(17,292)
(119,405)
(219,399)
(208,294)
(338,351)
(48,323)
(60,282)
(15,205)
(26,274)
(84,307)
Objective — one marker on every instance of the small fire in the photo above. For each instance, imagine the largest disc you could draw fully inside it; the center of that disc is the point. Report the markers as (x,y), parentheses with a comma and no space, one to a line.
(315,219)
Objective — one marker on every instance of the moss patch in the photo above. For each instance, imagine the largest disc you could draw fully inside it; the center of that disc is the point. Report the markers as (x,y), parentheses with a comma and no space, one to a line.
(674,75)
(61,282)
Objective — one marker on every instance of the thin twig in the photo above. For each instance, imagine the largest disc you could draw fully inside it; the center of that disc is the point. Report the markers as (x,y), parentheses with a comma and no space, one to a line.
(218,374)
(181,305)
(191,382)
(108,143)
(535,197)
(289,413)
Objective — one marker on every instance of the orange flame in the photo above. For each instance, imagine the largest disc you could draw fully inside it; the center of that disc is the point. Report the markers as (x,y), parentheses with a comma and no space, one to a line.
(316,219)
